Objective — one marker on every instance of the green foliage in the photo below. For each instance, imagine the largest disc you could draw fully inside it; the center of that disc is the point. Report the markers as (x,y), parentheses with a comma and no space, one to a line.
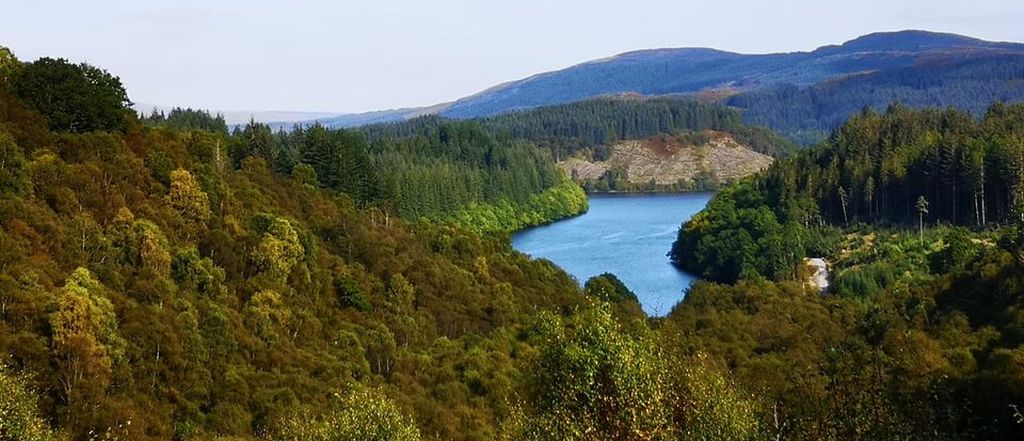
(960,248)
(85,338)
(340,160)
(709,405)
(902,167)
(279,249)
(266,315)
(362,415)
(163,283)
(214,301)
(188,199)
(350,295)
(563,199)
(595,378)
(142,243)
(597,123)
(608,288)
(305,174)
(594,381)
(9,66)
(917,328)
(13,176)
(73,97)
(448,171)
(447,168)
(193,271)
(187,119)
(907,166)
(738,236)
(19,414)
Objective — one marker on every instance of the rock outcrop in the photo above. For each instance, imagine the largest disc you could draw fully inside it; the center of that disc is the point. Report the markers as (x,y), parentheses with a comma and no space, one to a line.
(669,160)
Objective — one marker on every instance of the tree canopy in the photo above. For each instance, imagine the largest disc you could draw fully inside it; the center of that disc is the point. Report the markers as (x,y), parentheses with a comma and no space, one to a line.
(73,97)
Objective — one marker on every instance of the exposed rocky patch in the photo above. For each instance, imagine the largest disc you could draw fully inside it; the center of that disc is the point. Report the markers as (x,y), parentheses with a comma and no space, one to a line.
(671,159)
(819,274)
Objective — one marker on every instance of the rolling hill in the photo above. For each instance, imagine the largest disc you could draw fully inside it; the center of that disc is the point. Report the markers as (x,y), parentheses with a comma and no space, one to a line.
(801,94)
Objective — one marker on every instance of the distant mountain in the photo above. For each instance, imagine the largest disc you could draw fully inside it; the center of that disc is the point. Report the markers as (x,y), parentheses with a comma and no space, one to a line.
(802,94)
(375,117)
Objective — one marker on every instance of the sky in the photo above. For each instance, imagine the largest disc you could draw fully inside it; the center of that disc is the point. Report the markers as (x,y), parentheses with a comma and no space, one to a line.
(354,56)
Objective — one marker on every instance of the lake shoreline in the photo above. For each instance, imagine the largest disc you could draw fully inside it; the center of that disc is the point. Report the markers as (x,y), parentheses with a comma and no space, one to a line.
(627,234)
(610,194)
(648,192)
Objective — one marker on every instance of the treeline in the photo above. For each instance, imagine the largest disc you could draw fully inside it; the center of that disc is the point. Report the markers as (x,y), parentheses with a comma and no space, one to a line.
(442,168)
(334,159)
(435,172)
(187,119)
(596,124)
(616,179)
(901,168)
(877,167)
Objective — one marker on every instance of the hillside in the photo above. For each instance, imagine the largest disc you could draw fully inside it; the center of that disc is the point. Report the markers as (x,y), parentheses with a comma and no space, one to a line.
(162,278)
(916,216)
(695,161)
(801,94)
(591,126)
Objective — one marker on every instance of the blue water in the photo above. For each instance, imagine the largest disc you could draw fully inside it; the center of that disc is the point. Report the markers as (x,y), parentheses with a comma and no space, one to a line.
(626,235)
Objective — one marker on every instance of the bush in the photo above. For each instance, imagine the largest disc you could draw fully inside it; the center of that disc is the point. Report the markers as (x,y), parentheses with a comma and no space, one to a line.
(363,415)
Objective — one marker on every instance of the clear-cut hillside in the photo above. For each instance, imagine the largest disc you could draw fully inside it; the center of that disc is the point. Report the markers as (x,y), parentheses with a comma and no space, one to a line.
(671,160)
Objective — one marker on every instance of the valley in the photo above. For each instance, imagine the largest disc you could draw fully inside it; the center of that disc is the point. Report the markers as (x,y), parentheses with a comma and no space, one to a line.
(668,244)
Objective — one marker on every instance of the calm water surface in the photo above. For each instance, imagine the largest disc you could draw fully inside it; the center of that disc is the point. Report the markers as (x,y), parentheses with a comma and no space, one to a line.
(626,235)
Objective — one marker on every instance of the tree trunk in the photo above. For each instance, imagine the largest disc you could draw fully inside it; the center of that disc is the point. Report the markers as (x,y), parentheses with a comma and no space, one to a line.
(920,227)
(977,213)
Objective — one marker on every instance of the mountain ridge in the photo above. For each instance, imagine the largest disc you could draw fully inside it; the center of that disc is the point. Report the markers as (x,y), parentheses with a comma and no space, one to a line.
(802,94)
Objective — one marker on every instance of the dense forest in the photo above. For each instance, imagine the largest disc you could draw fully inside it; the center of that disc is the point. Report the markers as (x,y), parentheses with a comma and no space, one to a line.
(596,124)
(451,171)
(170,280)
(809,113)
(903,167)
(186,119)
(919,335)
(161,281)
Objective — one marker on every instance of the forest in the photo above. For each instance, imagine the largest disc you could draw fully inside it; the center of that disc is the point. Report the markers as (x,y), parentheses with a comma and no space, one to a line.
(594,125)
(162,278)
(448,172)
(918,213)
(808,114)
(901,168)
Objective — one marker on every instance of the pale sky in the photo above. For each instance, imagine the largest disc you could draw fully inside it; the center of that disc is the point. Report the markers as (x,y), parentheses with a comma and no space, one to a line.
(353,56)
